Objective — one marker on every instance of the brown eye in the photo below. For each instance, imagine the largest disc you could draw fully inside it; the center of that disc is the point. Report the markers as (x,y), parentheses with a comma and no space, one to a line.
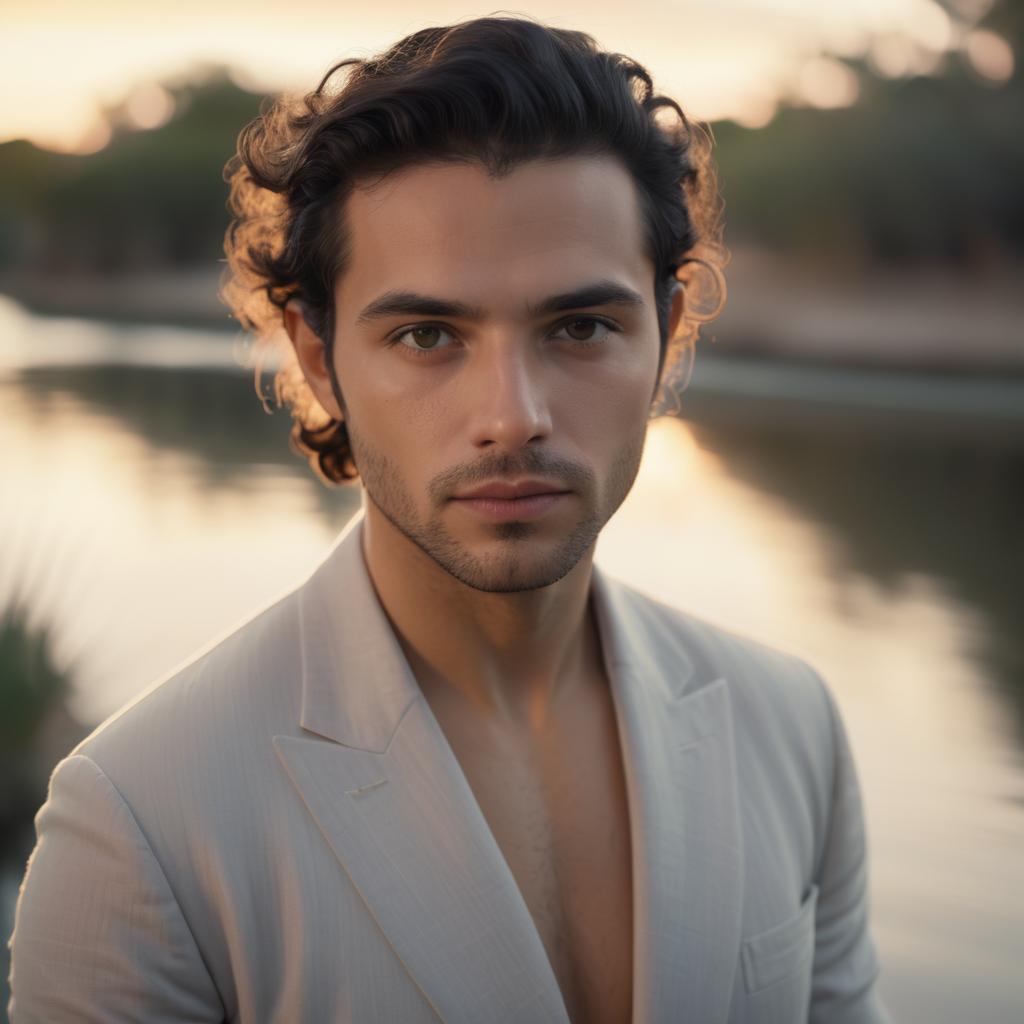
(425,337)
(587,330)
(422,339)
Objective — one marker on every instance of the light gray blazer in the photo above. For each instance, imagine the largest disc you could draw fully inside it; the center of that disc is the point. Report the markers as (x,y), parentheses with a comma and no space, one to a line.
(280,831)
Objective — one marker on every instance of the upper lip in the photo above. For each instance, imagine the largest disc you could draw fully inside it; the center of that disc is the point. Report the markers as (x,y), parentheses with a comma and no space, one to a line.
(505,489)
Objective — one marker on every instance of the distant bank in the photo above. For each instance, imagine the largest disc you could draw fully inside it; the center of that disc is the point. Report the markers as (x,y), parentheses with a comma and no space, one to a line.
(931,319)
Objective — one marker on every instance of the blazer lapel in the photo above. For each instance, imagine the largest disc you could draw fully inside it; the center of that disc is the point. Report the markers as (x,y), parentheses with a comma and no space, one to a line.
(386,790)
(390,798)
(679,760)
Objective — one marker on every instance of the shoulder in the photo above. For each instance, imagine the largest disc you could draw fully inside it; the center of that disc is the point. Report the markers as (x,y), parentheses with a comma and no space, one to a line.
(191,761)
(243,683)
(707,648)
(778,698)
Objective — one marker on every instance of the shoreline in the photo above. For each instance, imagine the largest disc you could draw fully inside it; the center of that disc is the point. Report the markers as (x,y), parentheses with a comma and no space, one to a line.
(931,320)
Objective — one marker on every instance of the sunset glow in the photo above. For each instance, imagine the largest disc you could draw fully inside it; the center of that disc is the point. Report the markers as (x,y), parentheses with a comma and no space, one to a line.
(733,58)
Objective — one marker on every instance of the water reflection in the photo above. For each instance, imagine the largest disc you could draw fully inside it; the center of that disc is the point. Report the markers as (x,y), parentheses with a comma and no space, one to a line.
(211,417)
(920,501)
(147,509)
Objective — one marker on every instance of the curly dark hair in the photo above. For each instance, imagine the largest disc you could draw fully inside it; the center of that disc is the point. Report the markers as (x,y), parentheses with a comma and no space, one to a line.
(497,91)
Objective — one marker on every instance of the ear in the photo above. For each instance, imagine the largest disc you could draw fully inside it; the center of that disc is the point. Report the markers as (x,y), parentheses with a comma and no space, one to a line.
(311,353)
(676,310)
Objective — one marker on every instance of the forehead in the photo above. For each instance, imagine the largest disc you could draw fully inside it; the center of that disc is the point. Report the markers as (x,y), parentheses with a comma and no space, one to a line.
(452,230)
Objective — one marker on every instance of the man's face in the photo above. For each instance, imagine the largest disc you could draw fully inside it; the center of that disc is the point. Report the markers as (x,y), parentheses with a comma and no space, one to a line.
(439,401)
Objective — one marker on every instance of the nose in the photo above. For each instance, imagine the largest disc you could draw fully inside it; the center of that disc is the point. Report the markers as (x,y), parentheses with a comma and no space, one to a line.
(509,395)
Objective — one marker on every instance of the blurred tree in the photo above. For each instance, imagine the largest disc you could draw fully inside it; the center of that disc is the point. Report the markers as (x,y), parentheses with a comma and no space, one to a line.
(148,199)
(923,168)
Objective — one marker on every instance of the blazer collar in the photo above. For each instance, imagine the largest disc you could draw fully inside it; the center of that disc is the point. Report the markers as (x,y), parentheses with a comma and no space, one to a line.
(356,682)
(390,798)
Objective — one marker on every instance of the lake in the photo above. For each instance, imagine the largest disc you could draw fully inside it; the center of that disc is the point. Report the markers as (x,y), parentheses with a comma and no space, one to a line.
(869,522)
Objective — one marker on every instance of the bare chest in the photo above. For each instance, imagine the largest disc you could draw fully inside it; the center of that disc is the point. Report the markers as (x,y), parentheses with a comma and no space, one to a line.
(559,813)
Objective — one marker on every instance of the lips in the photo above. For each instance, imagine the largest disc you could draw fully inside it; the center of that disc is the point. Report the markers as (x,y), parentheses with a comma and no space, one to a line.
(526,508)
(508,491)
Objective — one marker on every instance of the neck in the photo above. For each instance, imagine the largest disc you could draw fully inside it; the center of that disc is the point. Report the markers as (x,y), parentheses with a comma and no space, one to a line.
(510,658)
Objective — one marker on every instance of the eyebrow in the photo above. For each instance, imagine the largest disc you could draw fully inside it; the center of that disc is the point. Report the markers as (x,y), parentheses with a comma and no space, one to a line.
(405,303)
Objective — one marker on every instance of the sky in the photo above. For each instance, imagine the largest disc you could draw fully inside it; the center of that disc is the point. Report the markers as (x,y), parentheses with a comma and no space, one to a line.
(61,61)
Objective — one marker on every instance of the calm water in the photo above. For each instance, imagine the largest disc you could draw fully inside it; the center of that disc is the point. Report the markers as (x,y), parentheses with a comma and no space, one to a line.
(872,525)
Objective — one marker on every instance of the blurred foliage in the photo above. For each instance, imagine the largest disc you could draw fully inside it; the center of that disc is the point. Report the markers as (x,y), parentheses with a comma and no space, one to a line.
(30,683)
(35,726)
(148,199)
(920,169)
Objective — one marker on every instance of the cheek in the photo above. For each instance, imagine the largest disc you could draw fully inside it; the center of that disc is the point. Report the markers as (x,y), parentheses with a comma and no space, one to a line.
(399,417)
(618,395)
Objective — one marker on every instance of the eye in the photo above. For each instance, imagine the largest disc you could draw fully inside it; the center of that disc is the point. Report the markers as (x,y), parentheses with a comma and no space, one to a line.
(588,330)
(424,339)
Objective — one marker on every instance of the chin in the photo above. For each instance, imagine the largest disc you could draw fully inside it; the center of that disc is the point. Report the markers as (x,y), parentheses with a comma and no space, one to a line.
(531,562)
(513,580)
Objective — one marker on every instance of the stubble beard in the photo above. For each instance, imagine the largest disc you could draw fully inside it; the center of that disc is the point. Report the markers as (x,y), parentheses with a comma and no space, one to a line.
(524,561)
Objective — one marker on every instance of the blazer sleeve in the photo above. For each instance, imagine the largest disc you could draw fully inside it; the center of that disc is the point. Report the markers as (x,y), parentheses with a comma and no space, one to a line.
(98,935)
(846,966)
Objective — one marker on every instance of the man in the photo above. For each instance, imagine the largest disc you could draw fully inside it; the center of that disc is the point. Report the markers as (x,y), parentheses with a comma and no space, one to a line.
(460,774)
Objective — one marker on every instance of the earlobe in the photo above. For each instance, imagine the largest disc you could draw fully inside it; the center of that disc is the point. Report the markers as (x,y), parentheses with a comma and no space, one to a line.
(311,354)
(676,310)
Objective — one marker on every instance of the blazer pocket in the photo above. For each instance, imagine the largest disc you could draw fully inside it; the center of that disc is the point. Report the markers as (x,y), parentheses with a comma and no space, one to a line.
(781,950)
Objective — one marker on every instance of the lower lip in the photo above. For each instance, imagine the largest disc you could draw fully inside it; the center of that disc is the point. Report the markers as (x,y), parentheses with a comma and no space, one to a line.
(513,508)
